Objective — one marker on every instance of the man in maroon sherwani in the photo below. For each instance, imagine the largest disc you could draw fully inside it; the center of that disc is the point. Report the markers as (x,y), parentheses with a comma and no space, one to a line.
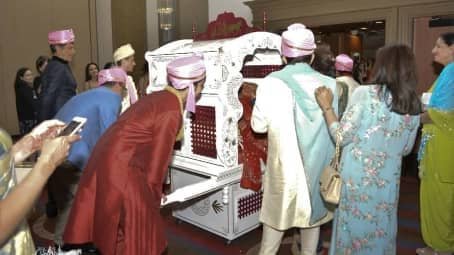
(117,204)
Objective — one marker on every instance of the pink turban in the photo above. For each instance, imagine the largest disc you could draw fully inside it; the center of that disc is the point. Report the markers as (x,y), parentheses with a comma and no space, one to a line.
(184,72)
(61,37)
(114,74)
(297,41)
(344,63)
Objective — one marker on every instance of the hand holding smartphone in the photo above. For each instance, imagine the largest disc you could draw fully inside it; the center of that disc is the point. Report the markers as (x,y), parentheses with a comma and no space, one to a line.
(74,126)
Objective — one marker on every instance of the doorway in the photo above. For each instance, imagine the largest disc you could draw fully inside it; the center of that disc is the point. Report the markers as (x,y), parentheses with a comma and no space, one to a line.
(359,40)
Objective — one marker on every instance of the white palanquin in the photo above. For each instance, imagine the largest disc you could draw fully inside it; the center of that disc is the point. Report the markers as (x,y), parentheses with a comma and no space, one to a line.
(224,61)
(193,174)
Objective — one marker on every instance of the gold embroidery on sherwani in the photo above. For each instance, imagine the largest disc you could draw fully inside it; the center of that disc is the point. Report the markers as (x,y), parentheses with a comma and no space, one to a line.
(181,131)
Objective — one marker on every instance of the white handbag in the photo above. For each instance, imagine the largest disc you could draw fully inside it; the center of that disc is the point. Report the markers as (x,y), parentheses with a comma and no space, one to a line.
(330,180)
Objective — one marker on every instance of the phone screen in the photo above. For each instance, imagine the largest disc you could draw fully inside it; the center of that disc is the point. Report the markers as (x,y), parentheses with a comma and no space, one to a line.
(69,128)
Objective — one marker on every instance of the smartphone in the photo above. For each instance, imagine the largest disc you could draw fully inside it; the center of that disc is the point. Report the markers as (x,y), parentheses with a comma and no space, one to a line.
(74,126)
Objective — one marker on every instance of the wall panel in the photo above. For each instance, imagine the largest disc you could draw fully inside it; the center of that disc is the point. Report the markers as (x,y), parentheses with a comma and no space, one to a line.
(24,25)
(129,26)
(191,12)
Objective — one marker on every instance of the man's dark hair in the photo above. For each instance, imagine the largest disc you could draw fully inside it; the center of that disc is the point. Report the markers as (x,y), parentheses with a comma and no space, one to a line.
(108,65)
(53,47)
(302,59)
(324,60)
(109,84)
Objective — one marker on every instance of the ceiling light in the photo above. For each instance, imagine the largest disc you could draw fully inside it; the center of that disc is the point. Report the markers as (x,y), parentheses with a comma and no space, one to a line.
(363,28)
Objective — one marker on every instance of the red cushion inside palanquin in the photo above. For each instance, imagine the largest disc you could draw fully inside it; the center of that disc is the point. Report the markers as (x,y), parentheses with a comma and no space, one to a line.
(259,71)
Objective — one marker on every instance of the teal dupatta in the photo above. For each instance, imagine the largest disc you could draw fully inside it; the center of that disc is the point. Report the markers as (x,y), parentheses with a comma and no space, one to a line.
(314,142)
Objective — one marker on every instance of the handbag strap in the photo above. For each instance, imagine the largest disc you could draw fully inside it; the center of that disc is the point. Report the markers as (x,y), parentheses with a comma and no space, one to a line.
(337,154)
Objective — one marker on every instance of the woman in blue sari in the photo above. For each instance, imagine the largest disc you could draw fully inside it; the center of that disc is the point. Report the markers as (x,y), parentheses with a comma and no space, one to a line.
(378,127)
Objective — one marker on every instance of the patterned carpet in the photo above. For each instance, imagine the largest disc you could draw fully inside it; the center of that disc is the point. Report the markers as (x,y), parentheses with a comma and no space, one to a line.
(187,239)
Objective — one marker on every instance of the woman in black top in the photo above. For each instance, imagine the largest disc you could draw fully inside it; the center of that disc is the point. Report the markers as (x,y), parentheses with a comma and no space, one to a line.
(41,63)
(26,100)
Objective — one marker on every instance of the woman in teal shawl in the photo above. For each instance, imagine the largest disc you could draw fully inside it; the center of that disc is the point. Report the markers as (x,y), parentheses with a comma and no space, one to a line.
(436,160)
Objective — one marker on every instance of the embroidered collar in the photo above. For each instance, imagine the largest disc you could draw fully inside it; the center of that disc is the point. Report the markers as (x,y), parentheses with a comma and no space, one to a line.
(174,92)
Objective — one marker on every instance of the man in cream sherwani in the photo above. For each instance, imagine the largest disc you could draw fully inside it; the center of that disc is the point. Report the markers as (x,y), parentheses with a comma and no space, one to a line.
(299,146)
(345,81)
(124,58)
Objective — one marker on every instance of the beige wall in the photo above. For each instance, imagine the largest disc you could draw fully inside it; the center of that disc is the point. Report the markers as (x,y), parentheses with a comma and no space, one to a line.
(104,31)
(424,41)
(24,25)
(191,12)
(129,26)
(100,26)
(152,24)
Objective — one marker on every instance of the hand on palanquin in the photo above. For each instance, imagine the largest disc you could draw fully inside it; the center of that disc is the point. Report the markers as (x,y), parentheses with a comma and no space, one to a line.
(33,141)
(324,97)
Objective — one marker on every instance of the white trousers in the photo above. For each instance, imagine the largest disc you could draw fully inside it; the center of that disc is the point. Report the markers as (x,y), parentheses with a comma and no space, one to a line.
(271,240)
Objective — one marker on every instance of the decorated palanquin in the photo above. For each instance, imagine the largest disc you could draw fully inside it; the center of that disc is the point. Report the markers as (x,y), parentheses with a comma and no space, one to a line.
(208,165)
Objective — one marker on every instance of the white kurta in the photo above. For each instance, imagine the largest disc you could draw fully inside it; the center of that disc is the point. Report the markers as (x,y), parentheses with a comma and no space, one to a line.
(131,97)
(286,201)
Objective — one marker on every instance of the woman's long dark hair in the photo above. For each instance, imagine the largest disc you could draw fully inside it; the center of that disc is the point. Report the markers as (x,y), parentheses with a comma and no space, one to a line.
(87,70)
(40,62)
(395,68)
(20,73)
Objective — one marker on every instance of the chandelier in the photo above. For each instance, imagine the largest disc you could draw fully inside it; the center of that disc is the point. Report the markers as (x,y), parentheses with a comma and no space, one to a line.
(166,13)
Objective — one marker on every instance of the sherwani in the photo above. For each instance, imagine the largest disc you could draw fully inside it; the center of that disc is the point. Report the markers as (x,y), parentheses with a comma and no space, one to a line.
(118,200)
(58,85)
(286,199)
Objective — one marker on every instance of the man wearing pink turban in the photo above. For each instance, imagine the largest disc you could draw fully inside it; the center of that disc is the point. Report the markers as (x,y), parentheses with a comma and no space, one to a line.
(117,203)
(345,82)
(58,85)
(299,145)
(101,107)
